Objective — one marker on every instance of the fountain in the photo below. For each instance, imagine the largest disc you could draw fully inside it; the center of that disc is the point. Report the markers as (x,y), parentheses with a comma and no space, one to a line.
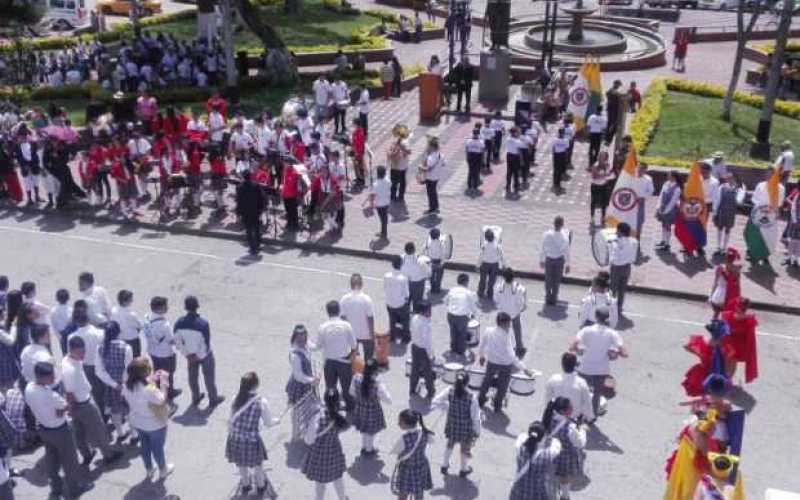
(618,43)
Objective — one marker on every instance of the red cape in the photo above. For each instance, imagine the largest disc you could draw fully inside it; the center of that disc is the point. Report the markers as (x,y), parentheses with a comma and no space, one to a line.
(740,345)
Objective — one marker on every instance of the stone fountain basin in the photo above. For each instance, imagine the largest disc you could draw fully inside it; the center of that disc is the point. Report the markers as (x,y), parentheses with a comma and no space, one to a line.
(597,39)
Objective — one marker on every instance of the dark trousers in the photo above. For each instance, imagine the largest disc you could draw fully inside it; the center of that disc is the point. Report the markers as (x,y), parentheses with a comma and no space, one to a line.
(290,205)
(208,367)
(488,276)
(60,453)
(512,171)
(618,283)
(98,388)
(516,325)
(369,348)
(466,91)
(489,145)
(397,86)
(433,195)
(364,118)
(416,292)
(596,384)
(136,346)
(339,118)
(503,375)
(559,168)
(611,127)
(474,161)
(341,372)
(398,323)
(553,271)
(437,273)
(594,147)
(398,178)
(525,166)
(458,333)
(90,430)
(420,367)
(383,216)
(167,364)
(252,228)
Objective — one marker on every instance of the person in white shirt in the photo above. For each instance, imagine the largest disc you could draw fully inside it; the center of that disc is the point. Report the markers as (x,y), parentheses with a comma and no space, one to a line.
(363,109)
(514,147)
(571,386)
(598,296)
(129,323)
(338,344)
(381,197)
(463,424)
(90,431)
(560,149)
(417,269)
(61,317)
(554,259)
(96,298)
(596,125)
(490,261)
(91,337)
(496,353)
(621,257)
(434,165)
(487,136)
(341,101)
(597,345)
(358,311)
(396,295)
(36,352)
(41,312)
(785,160)
(461,303)
(422,353)
(497,126)
(510,297)
(216,127)
(322,97)
(435,251)
(50,409)
(646,190)
(475,149)
(718,167)
(667,210)
(160,341)
(240,141)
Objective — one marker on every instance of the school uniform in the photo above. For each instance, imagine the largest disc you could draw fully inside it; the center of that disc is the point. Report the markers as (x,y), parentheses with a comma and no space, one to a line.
(129,328)
(487,136)
(475,149)
(324,460)
(463,422)
(461,304)
(535,478)
(514,147)
(244,446)
(490,261)
(560,147)
(112,363)
(160,346)
(396,294)
(434,250)
(496,125)
(500,358)
(60,318)
(417,270)
(300,382)
(193,338)
(92,338)
(27,155)
(19,421)
(569,463)
(421,354)
(337,341)
(592,302)
(9,365)
(510,298)
(90,430)
(622,255)
(368,417)
(413,468)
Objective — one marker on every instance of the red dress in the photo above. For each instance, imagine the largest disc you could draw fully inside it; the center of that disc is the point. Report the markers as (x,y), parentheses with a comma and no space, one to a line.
(740,345)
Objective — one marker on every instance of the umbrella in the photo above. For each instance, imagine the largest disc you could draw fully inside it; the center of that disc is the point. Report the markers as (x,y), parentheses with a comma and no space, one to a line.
(61,133)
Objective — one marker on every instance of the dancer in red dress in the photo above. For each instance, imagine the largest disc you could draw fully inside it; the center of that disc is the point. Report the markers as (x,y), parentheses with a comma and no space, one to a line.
(726,288)
(740,345)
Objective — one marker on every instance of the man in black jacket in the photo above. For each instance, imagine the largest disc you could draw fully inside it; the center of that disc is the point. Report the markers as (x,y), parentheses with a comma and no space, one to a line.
(466,75)
(250,204)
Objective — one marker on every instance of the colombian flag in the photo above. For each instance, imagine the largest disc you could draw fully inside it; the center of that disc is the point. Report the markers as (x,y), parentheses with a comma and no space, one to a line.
(586,93)
(761,231)
(690,224)
(624,205)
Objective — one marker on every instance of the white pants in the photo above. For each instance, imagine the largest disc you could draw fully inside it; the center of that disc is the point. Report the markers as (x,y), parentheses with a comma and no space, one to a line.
(52,185)
(30,182)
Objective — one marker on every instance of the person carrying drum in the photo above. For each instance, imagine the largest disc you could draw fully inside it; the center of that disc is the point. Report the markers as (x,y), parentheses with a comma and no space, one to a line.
(496,353)
(463,425)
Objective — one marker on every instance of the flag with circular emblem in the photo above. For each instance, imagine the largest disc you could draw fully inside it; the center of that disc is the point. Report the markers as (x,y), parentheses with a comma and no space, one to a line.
(690,223)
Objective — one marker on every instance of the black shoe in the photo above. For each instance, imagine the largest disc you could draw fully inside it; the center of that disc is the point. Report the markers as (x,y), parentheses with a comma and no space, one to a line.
(465,473)
(14,472)
(443,470)
(112,457)
(520,352)
(246,489)
(87,459)
(196,401)
(81,489)
(216,401)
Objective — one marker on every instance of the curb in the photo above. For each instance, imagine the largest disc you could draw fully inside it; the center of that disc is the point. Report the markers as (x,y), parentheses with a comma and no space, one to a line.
(385,256)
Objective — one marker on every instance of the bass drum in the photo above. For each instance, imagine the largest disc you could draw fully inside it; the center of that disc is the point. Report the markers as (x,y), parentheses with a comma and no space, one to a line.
(448,246)
(450,372)
(476,376)
(601,245)
(474,329)
(523,385)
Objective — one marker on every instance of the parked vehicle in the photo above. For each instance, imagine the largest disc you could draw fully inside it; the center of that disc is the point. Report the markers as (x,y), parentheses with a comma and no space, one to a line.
(720,4)
(67,14)
(123,7)
(681,4)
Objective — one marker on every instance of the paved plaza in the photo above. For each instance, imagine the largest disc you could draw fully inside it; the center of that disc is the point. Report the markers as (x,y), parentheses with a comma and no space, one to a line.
(251,323)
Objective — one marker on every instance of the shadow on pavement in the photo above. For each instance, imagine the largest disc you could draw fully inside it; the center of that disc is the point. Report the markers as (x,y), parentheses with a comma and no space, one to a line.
(763,276)
(146,491)
(596,440)
(497,423)
(368,471)
(689,266)
(557,312)
(456,487)
(295,453)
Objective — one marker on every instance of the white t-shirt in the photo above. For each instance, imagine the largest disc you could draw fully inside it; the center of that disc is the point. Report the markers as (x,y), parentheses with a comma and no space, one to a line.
(321,92)
(356,309)
(595,341)
(383,192)
(139,400)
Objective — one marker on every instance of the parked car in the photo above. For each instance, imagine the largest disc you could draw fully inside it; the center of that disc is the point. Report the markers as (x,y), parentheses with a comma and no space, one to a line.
(720,4)
(681,4)
(123,7)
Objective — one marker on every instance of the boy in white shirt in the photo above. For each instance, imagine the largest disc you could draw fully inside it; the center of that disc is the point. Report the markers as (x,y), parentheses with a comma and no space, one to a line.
(60,318)
(161,341)
(130,325)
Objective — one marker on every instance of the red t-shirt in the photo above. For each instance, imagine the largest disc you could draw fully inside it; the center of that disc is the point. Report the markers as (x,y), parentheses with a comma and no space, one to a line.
(290,177)
(218,166)
(195,159)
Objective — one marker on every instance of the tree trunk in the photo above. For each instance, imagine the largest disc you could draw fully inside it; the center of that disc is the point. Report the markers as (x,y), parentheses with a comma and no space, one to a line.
(761,147)
(269,37)
(292,7)
(742,37)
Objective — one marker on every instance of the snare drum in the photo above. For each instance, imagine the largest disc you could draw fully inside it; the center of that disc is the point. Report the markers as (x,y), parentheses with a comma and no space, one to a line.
(523,385)
(476,376)
(450,371)
(474,329)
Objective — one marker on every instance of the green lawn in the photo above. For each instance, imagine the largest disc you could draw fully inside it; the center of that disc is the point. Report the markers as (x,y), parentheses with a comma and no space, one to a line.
(690,127)
(316,27)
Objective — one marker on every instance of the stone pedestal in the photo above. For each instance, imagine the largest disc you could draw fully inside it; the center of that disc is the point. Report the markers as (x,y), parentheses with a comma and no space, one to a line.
(495,75)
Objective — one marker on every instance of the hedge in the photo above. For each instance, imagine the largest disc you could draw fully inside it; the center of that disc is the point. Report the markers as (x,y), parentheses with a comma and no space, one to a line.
(769,47)
(644,124)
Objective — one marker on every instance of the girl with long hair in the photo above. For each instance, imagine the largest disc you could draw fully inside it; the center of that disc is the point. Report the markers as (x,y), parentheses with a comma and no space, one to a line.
(413,471)
(300,387)
(536,465)
(558,422)
(325,461)
(463,424)
(368,419)
(114,356)
(244,447)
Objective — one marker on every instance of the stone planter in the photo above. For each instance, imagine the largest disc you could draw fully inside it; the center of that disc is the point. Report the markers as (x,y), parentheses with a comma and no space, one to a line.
(428,34)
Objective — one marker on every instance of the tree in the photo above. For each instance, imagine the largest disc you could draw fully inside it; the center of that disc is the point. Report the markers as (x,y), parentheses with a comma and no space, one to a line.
(743,34)
(20,12)
(280,59)
(760,147)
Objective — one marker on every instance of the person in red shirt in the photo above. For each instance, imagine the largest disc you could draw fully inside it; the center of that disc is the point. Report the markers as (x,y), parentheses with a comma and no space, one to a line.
(740,345)
(327,199)
(634,98)
(358,142)
(681,43)
(100,155)
(292,190)
(194,174)
(157,123)
(217,101)
(261,175)
(122,172)
(219,174)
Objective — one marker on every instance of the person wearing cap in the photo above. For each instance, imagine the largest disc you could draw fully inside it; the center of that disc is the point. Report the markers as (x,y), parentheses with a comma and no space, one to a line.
(357,310)
(49,409)
(397,293)
(302,380)
(90,430)
(338,344)
(475,149)
(193,340)
(435,250)
(496,353)
(597,345)
(724,206)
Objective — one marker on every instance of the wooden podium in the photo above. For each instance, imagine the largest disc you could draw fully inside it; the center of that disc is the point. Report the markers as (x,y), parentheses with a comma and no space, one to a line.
(430,96)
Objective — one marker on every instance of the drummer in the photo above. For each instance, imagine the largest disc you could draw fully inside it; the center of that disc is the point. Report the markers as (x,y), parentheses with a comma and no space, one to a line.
(599,296)
(510,297)
(422,354)
(496,353)
(435,250)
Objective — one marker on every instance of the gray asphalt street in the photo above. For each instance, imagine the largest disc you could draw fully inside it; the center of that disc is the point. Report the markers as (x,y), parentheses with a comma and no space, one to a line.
(252,307)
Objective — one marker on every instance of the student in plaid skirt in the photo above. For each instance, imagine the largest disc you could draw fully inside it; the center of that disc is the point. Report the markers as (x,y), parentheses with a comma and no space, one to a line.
(463,425)
(14,408)
(413,470)
(536,465)
(367,415)
(325,462)
(302,380)
(569,463)
(244,447)
(113,357)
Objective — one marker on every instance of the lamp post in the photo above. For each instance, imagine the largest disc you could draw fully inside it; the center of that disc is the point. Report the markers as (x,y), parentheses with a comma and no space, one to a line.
(549,32)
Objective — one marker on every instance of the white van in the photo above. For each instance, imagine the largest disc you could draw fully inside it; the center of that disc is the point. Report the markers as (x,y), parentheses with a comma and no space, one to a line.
(68,14)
